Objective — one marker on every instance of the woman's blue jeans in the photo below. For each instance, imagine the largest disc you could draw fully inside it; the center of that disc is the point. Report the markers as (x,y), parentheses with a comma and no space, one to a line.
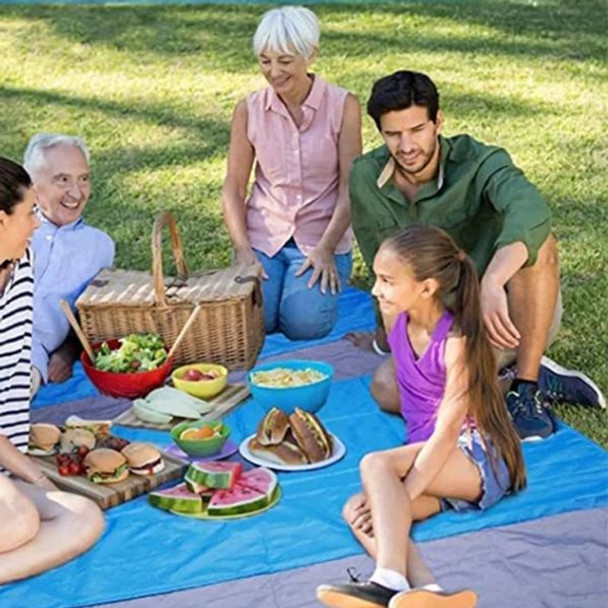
(289,305)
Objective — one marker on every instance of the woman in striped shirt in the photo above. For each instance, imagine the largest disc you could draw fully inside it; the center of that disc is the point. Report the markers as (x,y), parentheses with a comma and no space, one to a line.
(40,527)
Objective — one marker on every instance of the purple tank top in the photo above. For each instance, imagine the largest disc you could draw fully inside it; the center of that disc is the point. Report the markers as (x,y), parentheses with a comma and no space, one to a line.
(421,380)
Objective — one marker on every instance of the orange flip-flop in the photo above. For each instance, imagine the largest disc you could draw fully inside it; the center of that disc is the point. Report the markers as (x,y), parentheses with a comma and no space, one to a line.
(422,598)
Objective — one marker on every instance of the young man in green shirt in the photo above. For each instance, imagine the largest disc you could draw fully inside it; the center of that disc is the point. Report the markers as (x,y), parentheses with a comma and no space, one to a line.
(476,194)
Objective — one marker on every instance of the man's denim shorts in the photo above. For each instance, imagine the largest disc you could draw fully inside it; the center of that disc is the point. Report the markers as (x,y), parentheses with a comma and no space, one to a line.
(495,481)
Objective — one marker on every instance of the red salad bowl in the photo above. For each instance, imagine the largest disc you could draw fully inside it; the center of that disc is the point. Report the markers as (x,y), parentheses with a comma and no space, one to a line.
(130,385)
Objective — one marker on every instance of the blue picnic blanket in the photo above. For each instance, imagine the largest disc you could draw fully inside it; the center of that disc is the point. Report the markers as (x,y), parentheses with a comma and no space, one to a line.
(145,551)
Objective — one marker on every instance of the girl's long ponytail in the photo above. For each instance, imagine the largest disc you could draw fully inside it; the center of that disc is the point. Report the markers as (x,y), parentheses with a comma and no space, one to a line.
(487,402)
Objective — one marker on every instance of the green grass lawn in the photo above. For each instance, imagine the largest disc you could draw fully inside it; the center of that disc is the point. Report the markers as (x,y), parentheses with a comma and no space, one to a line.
(151,89)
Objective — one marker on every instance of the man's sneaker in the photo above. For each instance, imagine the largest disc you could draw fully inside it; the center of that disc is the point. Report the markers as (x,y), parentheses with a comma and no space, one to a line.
(560,384)
(421,598)
(529,414)
(356,594)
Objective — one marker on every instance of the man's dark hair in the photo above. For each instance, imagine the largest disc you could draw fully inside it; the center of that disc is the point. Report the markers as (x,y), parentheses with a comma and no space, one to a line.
(400,91)
(14,181)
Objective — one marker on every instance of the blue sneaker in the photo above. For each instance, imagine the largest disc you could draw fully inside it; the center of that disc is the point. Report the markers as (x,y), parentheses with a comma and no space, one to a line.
(529,414)
(560,384)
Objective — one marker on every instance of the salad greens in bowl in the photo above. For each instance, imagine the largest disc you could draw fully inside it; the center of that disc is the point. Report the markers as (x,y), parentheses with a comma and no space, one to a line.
(130,367)
(136,353)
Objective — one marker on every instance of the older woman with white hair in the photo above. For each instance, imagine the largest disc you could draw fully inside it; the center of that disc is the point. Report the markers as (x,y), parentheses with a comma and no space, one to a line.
(303,135)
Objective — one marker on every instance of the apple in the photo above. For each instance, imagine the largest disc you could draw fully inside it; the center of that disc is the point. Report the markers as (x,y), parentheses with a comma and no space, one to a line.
(193,375)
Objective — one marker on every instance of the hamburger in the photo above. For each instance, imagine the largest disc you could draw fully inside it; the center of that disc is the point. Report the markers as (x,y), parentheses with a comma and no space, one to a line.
(143,458)
(43,439)
(74,438)
(311,436)
(97,427)
(105,466)
(273,427)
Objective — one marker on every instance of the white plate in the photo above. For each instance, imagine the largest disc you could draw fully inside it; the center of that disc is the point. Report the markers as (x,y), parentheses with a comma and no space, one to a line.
(337,453)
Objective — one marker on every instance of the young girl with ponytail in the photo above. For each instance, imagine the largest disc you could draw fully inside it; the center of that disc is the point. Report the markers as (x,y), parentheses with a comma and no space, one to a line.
(462,451)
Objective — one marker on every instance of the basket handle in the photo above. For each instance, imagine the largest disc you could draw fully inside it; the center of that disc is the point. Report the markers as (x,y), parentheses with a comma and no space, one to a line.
(162,219)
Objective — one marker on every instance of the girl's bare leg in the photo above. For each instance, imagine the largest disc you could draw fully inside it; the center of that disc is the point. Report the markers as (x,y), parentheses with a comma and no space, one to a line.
(68,526)
(358,516)
(392,510)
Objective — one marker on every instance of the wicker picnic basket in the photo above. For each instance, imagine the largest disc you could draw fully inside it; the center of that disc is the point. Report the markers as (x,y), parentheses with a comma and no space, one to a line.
(229,328)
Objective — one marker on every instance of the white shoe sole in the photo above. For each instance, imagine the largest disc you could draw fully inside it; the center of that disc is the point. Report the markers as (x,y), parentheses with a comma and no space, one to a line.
(563,371)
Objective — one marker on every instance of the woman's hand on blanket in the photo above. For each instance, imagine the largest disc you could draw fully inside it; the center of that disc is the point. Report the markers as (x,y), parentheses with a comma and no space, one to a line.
(323,262)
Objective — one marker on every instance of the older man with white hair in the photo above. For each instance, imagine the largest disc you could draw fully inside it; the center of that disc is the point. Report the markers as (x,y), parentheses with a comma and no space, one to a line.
(67,252)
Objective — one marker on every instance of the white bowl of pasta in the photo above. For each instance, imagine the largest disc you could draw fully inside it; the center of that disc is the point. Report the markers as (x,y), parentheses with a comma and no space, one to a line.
(290,384)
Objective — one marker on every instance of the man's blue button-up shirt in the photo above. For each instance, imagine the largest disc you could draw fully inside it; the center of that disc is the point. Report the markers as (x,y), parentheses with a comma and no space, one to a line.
(66,259)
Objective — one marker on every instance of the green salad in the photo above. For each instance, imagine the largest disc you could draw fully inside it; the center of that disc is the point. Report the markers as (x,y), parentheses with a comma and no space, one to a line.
(137,353)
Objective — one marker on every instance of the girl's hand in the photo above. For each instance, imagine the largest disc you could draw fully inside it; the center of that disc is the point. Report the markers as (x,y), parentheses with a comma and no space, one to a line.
(364,523)
(324,264)
(358,514)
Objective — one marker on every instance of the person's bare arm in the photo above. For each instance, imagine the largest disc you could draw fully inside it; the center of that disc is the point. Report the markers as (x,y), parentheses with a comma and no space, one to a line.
(450,417)
(322,256)
(22,466)
(507,260)
(62,360)
(234,191)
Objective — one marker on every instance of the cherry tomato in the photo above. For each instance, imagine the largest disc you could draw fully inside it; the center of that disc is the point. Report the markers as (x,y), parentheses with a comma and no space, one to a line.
(82,451)
(63,470)
(74,468)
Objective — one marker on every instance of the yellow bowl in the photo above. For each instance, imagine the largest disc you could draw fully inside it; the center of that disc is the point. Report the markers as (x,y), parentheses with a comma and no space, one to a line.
(204,389)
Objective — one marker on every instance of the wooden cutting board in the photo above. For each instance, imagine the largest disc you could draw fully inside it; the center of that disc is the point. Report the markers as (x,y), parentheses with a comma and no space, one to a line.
(112,494)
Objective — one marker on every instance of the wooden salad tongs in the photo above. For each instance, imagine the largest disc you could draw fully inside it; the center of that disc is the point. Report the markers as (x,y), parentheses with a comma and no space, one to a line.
(77,329)
(184,331)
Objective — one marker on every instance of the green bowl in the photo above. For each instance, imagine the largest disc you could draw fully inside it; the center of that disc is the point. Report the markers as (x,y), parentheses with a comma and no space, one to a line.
(200,447)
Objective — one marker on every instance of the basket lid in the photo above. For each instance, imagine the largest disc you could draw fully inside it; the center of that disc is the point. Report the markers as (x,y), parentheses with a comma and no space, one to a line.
(136,288)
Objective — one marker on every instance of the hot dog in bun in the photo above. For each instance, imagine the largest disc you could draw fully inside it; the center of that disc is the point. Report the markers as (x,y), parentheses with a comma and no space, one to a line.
(273,427)
(311,436)
(286,452)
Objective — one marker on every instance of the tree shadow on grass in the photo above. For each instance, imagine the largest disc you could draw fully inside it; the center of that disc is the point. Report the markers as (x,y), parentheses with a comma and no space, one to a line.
(209,136)
(222,34)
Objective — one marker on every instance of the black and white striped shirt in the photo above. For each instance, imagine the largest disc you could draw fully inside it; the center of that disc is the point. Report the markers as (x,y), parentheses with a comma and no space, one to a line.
(15,353)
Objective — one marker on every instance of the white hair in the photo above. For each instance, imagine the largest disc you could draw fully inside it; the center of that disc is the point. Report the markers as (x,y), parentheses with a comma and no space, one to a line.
(286,30)
(34,157)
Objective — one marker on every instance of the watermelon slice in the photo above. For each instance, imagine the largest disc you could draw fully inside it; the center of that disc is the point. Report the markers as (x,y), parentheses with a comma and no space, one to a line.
(198,488)
(240,499)
(214,474)
(252,491)
(260,479)
(178,498)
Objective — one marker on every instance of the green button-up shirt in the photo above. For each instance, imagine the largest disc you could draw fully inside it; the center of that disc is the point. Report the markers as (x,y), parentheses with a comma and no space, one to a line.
(479,197)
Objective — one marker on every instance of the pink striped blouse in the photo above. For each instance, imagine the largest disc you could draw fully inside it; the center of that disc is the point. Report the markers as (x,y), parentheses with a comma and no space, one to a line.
(297,169)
